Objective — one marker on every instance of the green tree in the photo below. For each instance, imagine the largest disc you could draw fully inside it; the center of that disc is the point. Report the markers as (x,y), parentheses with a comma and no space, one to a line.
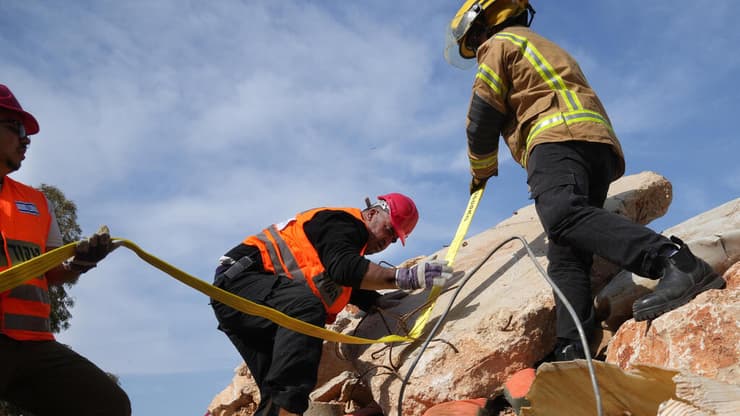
(61,303)
(66,213)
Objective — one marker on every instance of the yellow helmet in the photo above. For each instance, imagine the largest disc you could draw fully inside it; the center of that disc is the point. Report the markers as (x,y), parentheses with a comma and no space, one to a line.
(494,12)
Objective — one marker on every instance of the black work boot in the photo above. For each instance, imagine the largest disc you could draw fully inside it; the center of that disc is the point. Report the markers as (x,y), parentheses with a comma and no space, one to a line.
(684,276)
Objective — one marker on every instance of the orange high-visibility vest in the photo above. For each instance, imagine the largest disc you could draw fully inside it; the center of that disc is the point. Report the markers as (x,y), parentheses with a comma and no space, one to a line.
(24,224)
(286,250)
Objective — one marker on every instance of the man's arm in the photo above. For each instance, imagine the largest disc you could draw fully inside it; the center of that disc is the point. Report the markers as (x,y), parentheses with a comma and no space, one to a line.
(378,277)
(487,114)
(483,130)
(60,275)
(339,238)
(88,252)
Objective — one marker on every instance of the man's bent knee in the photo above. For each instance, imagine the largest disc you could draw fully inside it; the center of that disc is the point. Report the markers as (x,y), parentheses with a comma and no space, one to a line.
(558,209)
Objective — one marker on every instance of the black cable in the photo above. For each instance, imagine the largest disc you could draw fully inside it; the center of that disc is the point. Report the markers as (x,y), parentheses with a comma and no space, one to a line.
(558,293)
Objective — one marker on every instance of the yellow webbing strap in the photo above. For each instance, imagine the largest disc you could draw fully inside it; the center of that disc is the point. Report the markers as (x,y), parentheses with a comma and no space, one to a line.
(39,265)
(462,230)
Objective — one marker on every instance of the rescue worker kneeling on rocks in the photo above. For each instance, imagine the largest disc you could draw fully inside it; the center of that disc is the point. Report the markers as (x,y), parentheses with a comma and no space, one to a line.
(534,94)
(310,267)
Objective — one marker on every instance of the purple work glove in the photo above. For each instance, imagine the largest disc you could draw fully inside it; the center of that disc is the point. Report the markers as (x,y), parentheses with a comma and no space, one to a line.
(423,274)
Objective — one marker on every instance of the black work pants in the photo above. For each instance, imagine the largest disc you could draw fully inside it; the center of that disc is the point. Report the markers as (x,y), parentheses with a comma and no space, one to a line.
(284,363)
(568,182)
(48,378)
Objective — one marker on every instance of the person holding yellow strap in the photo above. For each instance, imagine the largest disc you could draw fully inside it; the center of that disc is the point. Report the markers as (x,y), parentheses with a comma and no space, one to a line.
(310,267)
(37,373)
(532,93)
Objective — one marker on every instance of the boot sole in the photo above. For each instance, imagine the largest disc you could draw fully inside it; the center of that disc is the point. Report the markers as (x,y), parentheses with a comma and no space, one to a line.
(717,282)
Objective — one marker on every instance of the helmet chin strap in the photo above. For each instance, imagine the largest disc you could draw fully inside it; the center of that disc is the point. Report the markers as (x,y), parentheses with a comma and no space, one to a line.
(513,21)
(531,11)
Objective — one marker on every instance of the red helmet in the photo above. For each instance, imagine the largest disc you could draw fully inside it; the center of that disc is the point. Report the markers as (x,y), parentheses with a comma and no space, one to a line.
(8,101)
(404,215)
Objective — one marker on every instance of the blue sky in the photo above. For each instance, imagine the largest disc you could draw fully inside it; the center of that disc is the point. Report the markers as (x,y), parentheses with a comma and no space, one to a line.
(186,126)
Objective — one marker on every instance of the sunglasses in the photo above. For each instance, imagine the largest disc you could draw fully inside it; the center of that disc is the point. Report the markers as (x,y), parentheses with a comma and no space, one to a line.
(383,206)
(17,127)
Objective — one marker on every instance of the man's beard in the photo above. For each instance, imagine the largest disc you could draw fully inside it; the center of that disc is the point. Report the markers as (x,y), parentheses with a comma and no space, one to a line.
(12,165)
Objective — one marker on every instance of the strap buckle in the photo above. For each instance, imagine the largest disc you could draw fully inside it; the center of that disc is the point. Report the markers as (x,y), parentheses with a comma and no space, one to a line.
(235,266)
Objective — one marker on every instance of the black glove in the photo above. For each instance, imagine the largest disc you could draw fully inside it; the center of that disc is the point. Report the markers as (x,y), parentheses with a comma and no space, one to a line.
(89,251)
(476,184)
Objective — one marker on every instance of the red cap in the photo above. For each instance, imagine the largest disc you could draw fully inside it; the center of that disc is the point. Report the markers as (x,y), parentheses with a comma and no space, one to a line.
(404,215)
(8,101)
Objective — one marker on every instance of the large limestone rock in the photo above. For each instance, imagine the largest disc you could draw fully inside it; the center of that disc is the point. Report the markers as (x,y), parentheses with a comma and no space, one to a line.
(642,390)
(702,337)
(502,319)
(639,391)
(713,236)
(701,396)
(240,398)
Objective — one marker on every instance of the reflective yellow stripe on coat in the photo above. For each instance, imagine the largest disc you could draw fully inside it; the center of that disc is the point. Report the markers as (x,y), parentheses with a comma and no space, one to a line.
(576,113)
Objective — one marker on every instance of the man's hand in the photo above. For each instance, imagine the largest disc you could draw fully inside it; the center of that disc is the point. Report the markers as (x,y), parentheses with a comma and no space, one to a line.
(477,183)
(89,251)
(423,274)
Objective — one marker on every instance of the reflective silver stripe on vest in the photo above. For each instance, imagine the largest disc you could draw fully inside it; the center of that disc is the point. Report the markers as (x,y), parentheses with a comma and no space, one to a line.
(271,252)
(285,253)
(26,323)
(30,293)
(290,262)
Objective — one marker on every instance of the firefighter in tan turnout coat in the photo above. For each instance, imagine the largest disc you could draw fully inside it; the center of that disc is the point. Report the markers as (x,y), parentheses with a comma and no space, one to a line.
(531,92)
